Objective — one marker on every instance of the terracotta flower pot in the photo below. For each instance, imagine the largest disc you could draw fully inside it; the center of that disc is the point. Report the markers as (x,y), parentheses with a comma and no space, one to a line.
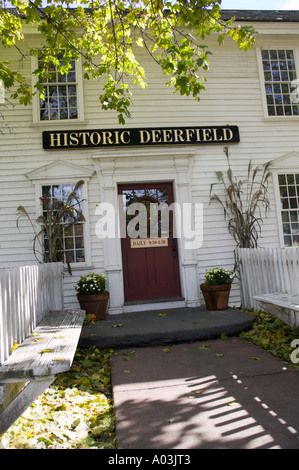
(216,297)
(95,304)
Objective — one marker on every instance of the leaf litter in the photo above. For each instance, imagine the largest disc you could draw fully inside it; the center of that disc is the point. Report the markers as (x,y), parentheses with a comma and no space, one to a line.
(75,412)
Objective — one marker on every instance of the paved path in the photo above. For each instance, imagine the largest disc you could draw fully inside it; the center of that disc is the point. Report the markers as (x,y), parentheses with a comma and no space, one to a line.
(218,394)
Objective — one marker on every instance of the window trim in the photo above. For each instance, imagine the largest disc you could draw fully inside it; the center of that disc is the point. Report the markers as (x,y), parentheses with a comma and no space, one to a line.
(284,170)
(86,228)
(262,79)
(80,101)
(82,222)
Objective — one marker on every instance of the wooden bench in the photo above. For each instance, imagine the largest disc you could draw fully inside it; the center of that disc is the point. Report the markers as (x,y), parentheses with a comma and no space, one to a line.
(46,352)
(283,306)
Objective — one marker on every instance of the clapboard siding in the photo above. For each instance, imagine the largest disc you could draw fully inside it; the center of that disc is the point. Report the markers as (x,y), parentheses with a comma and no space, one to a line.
(233,96)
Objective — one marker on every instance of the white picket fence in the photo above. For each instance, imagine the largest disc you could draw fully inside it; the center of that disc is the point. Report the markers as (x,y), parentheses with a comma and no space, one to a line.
(26,295)
(267,270)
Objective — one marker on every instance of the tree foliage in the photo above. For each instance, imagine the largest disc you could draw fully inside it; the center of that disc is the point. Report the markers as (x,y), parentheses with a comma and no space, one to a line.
(106,34)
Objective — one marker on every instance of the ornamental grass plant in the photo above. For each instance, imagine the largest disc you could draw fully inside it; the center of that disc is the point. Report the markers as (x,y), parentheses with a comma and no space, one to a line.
(244,201)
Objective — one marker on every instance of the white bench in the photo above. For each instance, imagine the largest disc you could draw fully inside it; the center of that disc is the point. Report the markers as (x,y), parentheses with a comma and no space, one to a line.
(46,352)
(283,306)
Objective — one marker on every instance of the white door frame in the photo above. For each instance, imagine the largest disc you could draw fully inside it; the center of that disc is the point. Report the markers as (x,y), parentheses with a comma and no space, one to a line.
(142,165)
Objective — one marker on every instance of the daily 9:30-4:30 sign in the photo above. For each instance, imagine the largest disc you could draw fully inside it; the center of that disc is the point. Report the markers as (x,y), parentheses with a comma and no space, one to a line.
(99,138)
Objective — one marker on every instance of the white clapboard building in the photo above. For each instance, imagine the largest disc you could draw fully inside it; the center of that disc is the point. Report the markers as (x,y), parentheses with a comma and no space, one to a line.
(168,152)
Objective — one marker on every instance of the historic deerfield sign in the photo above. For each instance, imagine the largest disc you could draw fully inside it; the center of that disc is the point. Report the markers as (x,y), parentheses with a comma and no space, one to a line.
(99,138)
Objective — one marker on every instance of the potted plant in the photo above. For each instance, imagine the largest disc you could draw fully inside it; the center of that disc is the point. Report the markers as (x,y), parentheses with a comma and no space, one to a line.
(216,288)
(92,294)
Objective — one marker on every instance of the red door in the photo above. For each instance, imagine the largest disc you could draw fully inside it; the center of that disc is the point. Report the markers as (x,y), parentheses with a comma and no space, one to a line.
(150,255)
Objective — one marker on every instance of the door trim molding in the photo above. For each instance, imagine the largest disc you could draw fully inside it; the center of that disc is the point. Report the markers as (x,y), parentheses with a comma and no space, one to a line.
(141,165)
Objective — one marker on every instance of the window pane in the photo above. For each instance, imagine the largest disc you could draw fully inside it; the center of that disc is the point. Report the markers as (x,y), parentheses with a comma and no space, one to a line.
(287,240)
(282,179)
(265,54)
(294,216)
(71,224)
(285,216)
(60,101)
(289,205)
(61,78)
(279,73)
(80,257)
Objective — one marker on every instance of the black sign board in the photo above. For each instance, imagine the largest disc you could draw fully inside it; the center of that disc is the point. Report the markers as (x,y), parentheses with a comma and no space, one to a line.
(105,138)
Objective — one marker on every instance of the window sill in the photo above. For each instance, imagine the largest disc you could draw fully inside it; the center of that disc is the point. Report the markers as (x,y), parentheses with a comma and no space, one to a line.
(280,118)
(63,124)
(79,267)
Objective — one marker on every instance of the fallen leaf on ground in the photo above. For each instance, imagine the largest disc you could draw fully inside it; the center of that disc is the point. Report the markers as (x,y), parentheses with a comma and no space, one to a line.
(128,355)
(223,336)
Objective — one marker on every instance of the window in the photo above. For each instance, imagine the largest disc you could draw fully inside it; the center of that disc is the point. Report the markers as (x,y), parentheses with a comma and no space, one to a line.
(60,100)
(289,199)
(281,83)
(72,227)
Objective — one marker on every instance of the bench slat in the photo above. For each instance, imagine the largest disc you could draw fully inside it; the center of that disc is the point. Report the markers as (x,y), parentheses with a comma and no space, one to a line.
(49,350)
(283,300)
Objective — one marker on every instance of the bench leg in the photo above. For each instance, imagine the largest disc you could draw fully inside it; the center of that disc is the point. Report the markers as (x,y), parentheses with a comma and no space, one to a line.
(22,401)
(287,315)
